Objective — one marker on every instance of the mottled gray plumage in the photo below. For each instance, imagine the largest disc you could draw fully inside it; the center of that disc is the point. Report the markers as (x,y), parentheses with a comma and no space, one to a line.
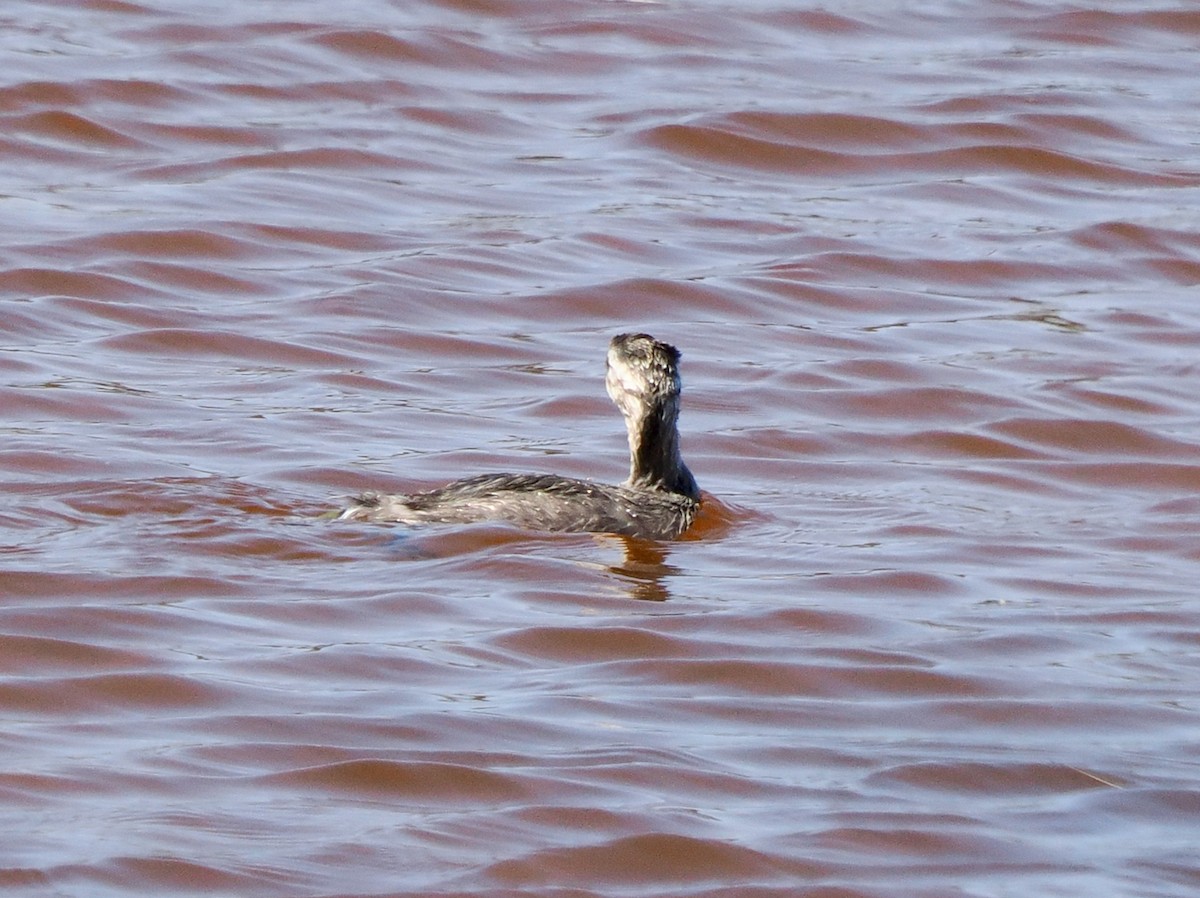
(658,501)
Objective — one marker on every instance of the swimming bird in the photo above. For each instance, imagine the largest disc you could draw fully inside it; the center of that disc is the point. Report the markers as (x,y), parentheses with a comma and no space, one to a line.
(658,501)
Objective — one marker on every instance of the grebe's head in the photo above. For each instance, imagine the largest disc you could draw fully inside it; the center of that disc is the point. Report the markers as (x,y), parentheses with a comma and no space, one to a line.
(642,374)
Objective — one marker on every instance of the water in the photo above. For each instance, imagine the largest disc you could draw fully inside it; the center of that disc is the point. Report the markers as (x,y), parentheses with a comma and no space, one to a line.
(933,271)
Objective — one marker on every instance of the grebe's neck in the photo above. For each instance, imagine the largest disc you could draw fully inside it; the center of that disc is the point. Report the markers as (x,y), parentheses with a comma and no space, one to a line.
(643,380)
(655,461)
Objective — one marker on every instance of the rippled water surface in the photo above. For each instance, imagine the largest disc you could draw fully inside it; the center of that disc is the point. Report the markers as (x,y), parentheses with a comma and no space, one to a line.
(933,270)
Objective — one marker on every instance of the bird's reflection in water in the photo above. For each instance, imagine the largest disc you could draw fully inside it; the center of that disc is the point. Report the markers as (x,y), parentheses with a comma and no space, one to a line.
(644,570)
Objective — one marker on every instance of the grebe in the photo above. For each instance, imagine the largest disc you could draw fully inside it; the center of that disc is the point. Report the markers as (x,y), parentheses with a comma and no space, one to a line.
(658,501)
